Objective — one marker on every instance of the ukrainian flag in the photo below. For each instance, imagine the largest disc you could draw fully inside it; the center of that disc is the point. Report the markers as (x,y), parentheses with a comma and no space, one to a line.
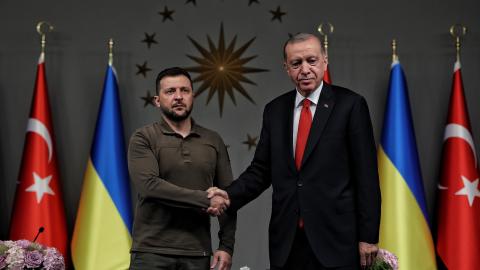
(102,235)
(404,226)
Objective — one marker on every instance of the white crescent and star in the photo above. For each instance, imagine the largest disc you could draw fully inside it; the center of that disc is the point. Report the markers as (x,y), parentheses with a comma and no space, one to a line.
(34,125)
(459,131)
(470,188)
(41,185)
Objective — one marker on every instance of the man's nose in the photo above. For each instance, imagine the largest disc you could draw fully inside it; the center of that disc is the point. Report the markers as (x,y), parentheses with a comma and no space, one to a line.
(305,68)
(178,95)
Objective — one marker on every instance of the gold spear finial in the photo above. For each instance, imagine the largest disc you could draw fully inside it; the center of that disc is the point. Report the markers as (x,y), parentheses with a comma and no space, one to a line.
(394,50)
(110,51)
(42,29)
(458,31)
(325,29)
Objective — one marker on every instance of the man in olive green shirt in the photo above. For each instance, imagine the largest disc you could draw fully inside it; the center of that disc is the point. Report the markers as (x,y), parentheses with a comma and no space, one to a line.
(172,163)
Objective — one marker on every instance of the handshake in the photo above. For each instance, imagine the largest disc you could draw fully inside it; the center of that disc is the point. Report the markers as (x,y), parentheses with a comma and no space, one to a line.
(219,201)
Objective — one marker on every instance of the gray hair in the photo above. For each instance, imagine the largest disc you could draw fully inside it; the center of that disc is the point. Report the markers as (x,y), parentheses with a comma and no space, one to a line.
(299,37)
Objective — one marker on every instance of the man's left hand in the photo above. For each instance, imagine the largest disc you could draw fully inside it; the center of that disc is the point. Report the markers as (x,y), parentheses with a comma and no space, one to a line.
(222,260)
(368,253)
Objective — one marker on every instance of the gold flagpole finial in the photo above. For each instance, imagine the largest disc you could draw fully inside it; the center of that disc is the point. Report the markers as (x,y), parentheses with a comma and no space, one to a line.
(394,50)
(110,51)
(458,31)
(42,29)
(325,29)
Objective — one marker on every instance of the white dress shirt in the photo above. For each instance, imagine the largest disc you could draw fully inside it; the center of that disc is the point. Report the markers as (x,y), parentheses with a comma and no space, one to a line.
(313,97)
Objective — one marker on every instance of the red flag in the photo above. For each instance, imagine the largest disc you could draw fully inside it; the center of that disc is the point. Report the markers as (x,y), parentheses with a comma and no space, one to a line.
(326,76)
(458,236)
(38,199)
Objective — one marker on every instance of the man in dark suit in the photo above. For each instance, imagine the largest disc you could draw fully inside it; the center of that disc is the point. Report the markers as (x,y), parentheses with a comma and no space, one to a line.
(317,151)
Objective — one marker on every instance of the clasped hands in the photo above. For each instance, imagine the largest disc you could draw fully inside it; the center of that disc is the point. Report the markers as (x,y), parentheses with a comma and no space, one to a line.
(219,201)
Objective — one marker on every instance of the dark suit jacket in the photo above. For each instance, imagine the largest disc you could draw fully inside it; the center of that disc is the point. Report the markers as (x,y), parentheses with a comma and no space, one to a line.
(336,190)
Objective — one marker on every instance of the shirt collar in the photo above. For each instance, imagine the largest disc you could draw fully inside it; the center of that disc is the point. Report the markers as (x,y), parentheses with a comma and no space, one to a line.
(313,97)
(166,129)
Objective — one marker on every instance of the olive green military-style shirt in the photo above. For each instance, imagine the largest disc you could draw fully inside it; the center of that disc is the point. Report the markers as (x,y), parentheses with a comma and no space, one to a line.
(171,175)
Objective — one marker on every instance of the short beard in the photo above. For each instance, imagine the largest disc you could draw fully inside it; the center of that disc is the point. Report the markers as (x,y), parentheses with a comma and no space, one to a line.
(172,116)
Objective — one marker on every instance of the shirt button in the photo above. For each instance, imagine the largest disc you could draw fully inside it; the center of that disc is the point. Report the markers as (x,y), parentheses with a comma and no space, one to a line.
(299,184)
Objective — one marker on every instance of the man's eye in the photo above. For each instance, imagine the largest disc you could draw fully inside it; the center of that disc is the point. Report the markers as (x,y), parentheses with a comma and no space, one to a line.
(312,61)
(295,64)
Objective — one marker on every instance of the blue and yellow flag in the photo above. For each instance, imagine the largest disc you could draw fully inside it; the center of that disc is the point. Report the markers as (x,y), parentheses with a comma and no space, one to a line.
(102,235)
(404,226)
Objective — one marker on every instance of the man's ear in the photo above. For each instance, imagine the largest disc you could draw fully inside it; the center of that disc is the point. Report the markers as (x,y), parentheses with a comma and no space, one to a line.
(285,67)
(156,101)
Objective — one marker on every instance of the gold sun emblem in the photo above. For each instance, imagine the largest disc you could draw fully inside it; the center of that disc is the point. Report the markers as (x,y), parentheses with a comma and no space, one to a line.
(221,69)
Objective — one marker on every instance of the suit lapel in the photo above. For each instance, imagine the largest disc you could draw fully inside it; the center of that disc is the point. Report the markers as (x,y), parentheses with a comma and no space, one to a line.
(291,105)
(325,105)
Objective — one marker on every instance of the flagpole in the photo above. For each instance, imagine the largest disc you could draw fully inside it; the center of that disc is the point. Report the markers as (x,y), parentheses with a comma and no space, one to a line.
(110,52)
(326,29)
(43,28)
(458,31)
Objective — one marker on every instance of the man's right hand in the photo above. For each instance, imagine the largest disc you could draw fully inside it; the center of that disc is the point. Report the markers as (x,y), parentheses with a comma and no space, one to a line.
(219,201)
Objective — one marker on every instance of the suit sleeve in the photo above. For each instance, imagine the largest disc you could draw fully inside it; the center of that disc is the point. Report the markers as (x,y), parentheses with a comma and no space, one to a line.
(227,221)
(256,177)
(365,172)
(144,172)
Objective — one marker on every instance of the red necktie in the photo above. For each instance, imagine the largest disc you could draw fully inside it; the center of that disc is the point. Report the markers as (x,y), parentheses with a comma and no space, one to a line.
(304,125)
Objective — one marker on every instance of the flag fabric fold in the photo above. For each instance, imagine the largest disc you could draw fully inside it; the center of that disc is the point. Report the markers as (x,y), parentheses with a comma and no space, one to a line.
(458,232)
(404,226)
(102,233)
(38,199)
(326,76)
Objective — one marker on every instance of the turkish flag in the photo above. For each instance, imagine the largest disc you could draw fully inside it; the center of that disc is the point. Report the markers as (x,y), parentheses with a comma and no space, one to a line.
(326,76)
(458,235)
(38,198)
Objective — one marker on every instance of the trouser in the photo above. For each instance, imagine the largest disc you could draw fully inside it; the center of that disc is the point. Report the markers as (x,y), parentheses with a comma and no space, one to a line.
(302,257)
(152,261)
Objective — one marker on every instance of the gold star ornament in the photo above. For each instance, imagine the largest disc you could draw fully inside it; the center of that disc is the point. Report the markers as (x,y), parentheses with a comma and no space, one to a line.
(150,39)
(222,69)
(143,69)
(148,100)
(251,141)
(277,14)
(166,14)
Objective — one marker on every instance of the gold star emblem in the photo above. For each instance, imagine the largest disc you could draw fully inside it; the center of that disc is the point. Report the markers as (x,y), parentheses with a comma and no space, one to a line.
(143,69)
(222,69)
(167,14)
(251,141)
(148,99)
(150,39)
(277,14)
